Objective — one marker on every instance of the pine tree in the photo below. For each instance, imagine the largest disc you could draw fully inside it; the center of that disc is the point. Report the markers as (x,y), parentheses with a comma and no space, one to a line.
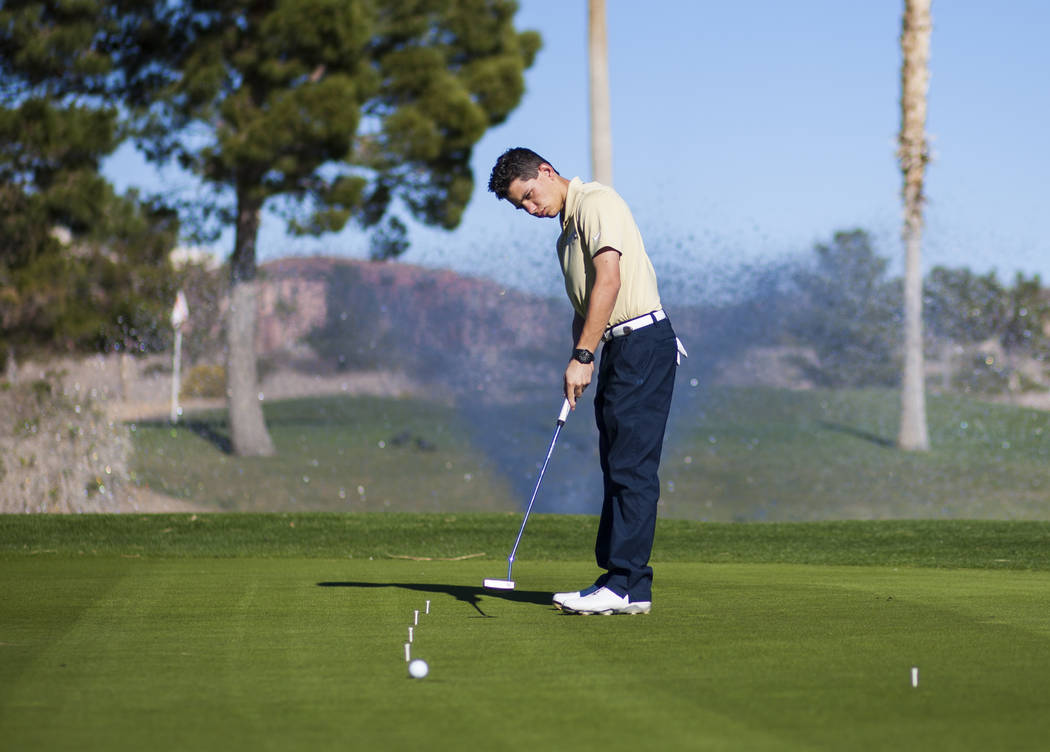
(847,310)
(81,268)
(326,110)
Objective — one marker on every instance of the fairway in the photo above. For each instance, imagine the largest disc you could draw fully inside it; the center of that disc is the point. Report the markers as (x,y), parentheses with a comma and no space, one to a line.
(732,455)
(173,652)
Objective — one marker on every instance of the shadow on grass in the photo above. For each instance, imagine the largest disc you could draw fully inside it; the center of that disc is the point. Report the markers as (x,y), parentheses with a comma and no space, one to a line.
(463,593)
(858,433)
(204,429)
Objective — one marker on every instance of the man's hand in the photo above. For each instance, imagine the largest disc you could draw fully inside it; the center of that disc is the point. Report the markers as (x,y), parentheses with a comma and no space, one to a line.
(577,377)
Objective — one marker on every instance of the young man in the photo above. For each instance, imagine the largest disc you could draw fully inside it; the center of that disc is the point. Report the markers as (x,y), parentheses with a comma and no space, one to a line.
(612,287)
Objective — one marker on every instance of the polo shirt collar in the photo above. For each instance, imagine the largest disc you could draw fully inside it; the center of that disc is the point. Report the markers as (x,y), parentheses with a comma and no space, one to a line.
(572,197)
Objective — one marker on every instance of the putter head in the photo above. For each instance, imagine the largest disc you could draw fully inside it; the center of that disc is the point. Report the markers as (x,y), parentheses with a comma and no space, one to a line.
(499,584)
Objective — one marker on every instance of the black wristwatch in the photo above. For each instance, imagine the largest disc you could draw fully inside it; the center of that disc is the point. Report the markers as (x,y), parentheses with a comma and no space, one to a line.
(582,356)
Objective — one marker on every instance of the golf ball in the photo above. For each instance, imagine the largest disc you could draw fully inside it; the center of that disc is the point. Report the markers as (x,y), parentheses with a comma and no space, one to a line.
(418,668)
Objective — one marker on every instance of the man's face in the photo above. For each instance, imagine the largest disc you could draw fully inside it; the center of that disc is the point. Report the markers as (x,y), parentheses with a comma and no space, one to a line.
(539,196)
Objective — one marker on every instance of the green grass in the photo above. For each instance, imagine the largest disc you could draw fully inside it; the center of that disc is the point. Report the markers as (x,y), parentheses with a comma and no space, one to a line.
(332,454)
(246,632)
(765,454)
(285,630)
(982,544)
(731,455)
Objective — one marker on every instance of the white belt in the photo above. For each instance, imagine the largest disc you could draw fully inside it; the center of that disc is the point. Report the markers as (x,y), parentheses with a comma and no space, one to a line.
(633,325)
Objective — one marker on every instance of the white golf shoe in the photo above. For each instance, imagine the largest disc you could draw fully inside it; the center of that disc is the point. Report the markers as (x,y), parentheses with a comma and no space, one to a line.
(606,602)
(560,598)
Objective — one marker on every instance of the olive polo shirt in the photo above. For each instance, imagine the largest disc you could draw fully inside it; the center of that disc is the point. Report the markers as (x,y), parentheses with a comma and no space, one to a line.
(595,217)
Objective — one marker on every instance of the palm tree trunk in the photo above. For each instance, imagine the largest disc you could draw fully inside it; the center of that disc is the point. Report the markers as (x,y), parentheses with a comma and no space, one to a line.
(913,155)
(601,119)
(247,427)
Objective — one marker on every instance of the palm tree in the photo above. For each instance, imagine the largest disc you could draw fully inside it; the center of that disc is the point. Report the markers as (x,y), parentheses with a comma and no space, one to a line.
(913,156)
(601,121)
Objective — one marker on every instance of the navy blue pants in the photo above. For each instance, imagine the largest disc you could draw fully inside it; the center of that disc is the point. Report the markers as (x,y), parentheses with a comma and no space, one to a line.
(631,405)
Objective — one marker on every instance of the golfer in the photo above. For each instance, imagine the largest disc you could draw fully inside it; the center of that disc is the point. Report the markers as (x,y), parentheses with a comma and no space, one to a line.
(612,287)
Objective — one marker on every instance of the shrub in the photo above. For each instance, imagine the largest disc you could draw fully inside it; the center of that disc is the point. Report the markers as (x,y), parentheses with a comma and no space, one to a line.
(204,381)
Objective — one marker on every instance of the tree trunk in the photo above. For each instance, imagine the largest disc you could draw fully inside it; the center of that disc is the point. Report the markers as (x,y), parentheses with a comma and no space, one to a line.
(601,119)
(247,427)
(124,371)
(11,366)
(1013,361)
(948,364)
(913,155)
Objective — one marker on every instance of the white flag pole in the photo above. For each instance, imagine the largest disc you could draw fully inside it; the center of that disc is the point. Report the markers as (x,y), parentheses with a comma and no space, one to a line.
(179,314)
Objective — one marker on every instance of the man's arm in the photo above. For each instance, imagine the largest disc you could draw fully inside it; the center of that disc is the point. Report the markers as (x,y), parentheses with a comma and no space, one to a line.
(599,308)
(577,328)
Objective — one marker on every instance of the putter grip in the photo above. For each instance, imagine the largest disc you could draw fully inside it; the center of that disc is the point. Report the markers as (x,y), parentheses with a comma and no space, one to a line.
(564,413)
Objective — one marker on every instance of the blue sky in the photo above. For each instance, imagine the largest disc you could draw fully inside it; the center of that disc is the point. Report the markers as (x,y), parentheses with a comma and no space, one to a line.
(744,132)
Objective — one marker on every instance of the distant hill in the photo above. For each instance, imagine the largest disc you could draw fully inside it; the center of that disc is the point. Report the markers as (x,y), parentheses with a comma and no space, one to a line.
(323,319)
(465,333)
(474,336)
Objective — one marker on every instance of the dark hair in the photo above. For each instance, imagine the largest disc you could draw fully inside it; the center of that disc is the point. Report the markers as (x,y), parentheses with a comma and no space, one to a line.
(514,164)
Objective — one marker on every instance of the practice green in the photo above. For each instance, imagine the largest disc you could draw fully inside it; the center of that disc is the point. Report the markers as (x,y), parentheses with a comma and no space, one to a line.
(144,651)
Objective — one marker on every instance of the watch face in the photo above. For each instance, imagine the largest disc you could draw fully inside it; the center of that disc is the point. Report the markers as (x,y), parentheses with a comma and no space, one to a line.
(583,356)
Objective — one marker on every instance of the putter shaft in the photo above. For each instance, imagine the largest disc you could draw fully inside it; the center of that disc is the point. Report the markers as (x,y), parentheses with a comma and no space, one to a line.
(550,450)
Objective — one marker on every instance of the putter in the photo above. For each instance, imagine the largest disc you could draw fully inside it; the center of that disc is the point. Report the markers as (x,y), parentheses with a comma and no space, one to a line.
(508,584)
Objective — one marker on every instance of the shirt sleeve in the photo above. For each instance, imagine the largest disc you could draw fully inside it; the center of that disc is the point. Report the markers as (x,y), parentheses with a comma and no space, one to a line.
(601,223)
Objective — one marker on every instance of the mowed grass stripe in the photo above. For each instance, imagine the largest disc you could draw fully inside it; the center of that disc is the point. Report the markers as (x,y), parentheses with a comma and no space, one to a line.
(308,654)
(178,651)
(975,544)
(824,658)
